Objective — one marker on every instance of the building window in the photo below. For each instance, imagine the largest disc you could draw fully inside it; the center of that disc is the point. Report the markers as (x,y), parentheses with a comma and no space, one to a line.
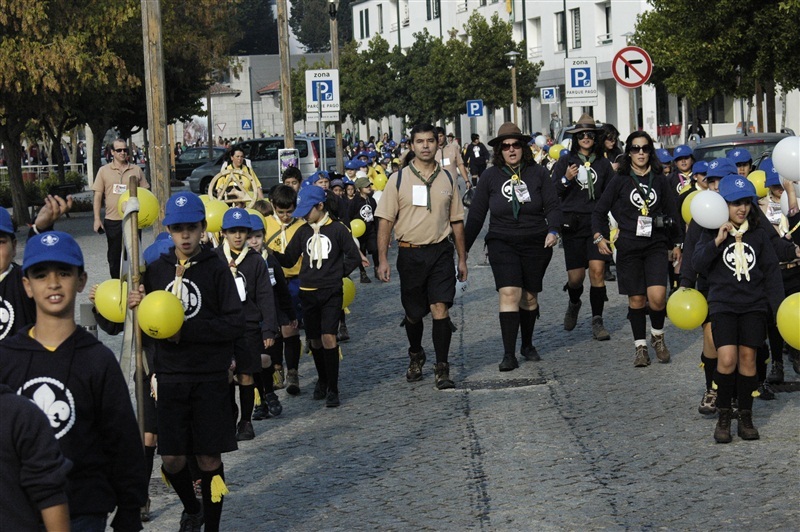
(433,8)
(561,30)
(361,24)
(380,18)
(482,3)
(366,23)
(608,18)
(576,27)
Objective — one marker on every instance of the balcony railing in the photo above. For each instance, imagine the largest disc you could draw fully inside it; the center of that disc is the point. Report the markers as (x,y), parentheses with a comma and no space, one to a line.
(604,39)
(534,51)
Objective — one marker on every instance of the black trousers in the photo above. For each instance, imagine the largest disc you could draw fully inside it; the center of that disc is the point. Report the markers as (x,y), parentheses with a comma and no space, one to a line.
(114,238)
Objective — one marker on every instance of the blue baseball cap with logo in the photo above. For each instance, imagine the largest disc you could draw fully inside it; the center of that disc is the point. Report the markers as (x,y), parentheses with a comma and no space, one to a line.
(739,155)
(773,178)
(735,187)
(700,167)
(156,249)
(256,222)
(682,151)
(236,217)
(719,168)
(6,224)
(184,208)
(52,246)
(307,199)
(663,156)
(355,164)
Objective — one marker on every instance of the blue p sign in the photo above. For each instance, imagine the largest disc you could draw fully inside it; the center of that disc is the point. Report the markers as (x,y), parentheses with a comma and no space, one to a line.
(323,90)
(474,108)
(581,77)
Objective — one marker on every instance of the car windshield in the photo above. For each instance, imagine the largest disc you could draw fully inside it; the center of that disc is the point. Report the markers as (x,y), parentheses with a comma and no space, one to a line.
(715,152)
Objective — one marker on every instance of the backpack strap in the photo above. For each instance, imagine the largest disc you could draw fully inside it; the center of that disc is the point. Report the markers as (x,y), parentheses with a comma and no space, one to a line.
(399,178)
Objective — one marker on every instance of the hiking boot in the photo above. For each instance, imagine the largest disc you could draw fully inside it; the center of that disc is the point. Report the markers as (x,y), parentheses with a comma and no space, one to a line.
(292,382)
(244,431)
(765,392)
(415,363)
(745,428)
(320,391)
(509,362)
(332,400)
(530,353)
(599,331)
(144,513)
(191,522)
(274,406)
(442,372)
(608,275)
(776,373)
(708,405)
(642,359)
(658,343)
(278,377)
(571,317)
(365,278)
(722,432)
(794,357)
(343,335)
(260,412)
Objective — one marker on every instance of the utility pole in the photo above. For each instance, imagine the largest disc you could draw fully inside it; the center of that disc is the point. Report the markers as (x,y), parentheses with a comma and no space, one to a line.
(286,75)
(333,6)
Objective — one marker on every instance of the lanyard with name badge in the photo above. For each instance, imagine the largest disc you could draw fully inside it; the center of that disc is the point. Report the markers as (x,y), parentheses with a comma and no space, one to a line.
(644,223)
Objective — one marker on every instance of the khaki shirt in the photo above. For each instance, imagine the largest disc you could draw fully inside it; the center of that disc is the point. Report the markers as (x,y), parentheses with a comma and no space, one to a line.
(413,223)
(450,158)
(112,181)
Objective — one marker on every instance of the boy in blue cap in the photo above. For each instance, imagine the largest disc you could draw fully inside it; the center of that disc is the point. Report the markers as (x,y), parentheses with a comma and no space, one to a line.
(78,384)
(665,158)
(255,291)
(191,368)
(742,159)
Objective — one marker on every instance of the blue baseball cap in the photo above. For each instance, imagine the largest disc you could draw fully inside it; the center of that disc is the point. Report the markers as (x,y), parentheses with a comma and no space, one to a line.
(307,199)
(256,222)
(739,155)
(563,153)
(163,236)
(184,208)
(735,187)
(156,249)
(682,151)
(236,217)
(663,156)
(52,246)
(719,168)
(773,178)
(354,164)
(700,167)
(6,224)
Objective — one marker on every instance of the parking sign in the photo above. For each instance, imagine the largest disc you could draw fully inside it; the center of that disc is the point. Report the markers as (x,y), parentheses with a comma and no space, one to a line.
(549,94)
(474,108)
(322,88)
(580,80)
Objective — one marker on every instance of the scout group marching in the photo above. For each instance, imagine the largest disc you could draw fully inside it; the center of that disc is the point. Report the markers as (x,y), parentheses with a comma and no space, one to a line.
(248,290)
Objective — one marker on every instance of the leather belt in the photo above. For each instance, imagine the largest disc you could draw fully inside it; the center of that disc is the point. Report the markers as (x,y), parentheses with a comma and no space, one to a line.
(789,265)
(401,244)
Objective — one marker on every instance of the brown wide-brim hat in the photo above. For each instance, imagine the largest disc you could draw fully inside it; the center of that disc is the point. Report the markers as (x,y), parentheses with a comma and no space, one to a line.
(509,130)
(585,123)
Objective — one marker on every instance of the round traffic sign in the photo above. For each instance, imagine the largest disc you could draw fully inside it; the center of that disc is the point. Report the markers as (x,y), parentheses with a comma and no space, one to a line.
(632,67)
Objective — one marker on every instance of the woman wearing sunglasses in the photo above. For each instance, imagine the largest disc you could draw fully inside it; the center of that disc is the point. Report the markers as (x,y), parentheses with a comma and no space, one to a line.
(641,201)
(524,224)
(580,179)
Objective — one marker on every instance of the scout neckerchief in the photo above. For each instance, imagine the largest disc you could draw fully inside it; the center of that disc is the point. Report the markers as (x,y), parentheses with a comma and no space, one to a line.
(587,163)
(180,269)
(514,174)
(317,252)
(429,181)
(283,227)
(645,210)
(233,263)
(5,273)
(739,259)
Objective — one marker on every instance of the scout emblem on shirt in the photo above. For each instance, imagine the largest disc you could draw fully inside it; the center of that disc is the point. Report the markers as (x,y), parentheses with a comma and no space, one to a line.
(729,256)
(54,399)
(191,298)
(6,317)
(366,213)
(584,174)
(325,247)
(636,198)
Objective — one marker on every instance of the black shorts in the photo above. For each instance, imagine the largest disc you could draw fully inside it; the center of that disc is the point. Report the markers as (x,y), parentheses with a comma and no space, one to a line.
(369,244)
(195,418)
(518,261)
(427,276)
(579,250)
(748,329)
(640,263)
(247,351)
(322,310)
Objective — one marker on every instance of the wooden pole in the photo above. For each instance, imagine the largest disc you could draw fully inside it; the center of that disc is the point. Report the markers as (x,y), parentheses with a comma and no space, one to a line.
(135,279)
(337,126)
(286,75)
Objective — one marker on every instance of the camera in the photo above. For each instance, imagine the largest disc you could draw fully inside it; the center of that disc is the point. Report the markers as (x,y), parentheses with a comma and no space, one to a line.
(662,221)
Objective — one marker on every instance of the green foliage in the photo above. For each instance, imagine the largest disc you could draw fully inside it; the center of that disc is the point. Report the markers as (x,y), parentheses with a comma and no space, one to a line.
(309,20)
(258,28)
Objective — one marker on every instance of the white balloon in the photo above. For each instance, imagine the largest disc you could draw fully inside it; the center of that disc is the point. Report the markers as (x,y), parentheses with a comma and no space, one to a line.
(376,195)
(709,209)
(786,158)
(785,203)
(540,141)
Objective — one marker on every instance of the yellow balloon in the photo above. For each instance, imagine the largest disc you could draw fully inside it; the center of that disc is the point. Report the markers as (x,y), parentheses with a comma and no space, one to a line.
(148,206)
(358,227)
(685,208)
(555,151)
(759,180)
(205,198)
(379,182)
(687,308)
(263,220)
(348,292)
(111,300)
(789,320)
(160,314)
(215,210)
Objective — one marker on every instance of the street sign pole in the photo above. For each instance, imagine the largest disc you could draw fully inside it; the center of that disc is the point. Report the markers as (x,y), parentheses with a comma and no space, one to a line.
(321,127)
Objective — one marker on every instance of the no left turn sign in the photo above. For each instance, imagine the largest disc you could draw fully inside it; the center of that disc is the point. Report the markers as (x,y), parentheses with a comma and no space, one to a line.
(632,67)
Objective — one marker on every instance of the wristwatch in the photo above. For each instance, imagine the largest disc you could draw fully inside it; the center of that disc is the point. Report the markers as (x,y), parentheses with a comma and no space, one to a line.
(565,181)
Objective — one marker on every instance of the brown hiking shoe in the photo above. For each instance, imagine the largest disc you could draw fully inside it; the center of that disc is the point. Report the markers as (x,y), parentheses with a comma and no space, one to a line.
(599,331)
(571,316)
(745,428)
(722,432)
(415,363)
(292,382)
(662,353)
(442,372)
(642,359)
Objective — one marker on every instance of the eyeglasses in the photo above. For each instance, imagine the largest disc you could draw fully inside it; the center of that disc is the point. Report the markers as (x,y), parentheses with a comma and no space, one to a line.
(120,150)
(513,145)
(645,148)
(585,135)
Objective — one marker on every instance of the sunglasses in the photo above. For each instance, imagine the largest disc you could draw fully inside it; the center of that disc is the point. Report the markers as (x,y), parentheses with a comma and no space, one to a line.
(513,145)
(585,135)
(645,148)
(120,150)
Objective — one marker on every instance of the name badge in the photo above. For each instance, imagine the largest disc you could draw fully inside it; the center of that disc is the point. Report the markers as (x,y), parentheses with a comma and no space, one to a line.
(241,288)
(446,161)
(521,191)
(272,277)
(419,196)
(119,188)
(644,226)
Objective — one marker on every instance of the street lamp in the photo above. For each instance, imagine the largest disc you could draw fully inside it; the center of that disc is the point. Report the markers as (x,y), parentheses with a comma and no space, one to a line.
(512,60)
(333,9)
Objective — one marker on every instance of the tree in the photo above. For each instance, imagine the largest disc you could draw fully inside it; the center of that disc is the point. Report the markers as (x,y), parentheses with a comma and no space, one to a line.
(309,23)
(369,82)
(258,28)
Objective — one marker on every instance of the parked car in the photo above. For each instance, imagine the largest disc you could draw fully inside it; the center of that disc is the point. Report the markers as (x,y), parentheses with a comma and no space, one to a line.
(191,158)
(759,145)
(263,157)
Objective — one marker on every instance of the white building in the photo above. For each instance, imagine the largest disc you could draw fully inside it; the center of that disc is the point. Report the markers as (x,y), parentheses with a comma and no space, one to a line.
(594,29)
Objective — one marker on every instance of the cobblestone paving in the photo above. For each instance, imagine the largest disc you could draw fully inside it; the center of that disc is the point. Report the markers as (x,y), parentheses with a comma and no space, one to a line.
(580,440)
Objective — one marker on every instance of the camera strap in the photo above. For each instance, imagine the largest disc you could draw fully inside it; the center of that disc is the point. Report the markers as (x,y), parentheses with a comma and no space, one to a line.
(645,210)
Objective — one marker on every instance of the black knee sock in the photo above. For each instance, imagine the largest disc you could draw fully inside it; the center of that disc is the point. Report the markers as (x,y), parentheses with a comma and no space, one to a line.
(597,298)
(266,378)
(291,350)
(509,325)
(709,367)
(258,383)
(232,397)
(725,384)
(182,484)
(657,318)
(275,352)
(319,363)
(745,386)
(149,455)
(247,398)
(332,368)
(212,511)
(361,269)
(414,333)
(762,356)
(638,320)
(527,322)
(574,293)
(442,333)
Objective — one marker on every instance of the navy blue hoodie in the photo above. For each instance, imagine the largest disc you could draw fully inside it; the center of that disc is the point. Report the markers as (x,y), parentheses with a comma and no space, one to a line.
(259,303)
(574,195)
(16,309)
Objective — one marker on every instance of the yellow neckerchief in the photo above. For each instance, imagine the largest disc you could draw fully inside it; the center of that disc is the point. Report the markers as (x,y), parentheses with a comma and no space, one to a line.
(233,264)
(739,260)
(317,253)
(5,273)
(283,227)
(180,270)
(32,334)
